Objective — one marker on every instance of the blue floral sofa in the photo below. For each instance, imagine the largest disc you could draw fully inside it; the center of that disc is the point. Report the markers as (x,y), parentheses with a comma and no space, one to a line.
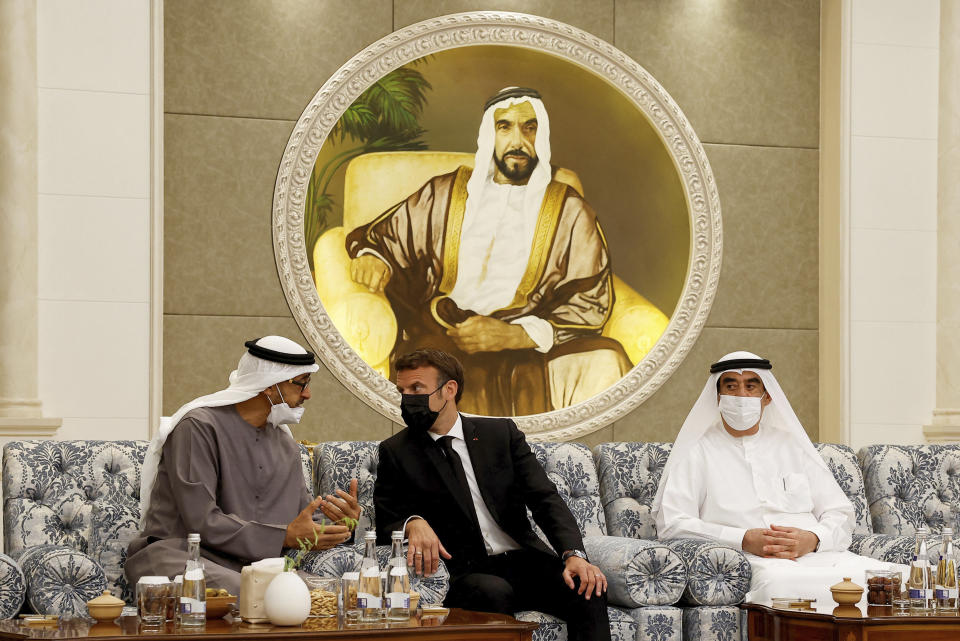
(70,510)
(894,490)
(646,577)
(71,507)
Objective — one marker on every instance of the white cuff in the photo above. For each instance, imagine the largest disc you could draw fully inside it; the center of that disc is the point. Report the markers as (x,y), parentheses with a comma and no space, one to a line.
(410,518)
(539,331)
(824,537)
(372,252)
(733,537)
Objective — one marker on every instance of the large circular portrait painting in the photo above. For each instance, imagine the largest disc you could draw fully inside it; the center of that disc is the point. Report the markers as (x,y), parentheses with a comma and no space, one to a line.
(510,190)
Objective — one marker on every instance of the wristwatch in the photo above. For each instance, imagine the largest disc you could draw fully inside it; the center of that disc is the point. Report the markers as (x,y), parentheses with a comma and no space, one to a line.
(569,553)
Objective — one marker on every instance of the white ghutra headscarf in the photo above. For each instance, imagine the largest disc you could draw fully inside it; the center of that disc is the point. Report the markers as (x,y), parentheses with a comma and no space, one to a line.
(777,415)
(256,372)
(485,166)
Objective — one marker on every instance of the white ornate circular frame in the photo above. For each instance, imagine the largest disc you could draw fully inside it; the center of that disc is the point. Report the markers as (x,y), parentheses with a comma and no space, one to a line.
(563,41)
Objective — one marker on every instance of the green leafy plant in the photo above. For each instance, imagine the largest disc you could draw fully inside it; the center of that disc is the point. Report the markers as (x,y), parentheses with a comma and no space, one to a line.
(305,545)
(386,117)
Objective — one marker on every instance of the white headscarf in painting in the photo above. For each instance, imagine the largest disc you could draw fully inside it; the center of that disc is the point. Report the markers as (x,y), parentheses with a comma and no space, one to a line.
(777,415)
(269,360)
(484,164)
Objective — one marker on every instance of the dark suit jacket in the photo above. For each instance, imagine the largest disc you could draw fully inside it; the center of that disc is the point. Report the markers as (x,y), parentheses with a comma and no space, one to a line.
(414,478)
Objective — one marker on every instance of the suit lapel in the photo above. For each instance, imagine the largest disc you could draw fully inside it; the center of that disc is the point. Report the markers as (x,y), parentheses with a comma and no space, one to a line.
(479,457)
(443,468)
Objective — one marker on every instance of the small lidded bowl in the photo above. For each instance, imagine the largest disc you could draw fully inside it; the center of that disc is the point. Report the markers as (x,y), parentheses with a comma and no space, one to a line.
(105,607)
(846,592)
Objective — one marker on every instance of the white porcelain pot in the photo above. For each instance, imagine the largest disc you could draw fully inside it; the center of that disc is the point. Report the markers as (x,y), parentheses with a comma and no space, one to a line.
(287,600)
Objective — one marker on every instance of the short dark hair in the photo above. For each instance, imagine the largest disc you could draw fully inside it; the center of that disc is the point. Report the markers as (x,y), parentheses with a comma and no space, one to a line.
(447,366)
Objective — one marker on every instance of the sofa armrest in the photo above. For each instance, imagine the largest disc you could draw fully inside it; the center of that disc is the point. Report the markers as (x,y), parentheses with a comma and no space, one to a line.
(717,574)
(891,548)
(59,579)
(639,572)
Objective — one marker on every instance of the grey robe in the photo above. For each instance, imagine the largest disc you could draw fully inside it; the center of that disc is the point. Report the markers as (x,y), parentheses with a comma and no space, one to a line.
(239,486)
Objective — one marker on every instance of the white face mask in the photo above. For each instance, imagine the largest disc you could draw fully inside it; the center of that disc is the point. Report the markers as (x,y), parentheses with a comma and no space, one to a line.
(282,413)
(740,412)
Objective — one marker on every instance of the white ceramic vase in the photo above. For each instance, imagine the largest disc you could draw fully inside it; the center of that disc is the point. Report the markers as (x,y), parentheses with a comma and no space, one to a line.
(287,600)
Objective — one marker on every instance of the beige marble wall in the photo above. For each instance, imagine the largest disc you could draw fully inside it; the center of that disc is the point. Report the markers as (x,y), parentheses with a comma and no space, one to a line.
(744,71)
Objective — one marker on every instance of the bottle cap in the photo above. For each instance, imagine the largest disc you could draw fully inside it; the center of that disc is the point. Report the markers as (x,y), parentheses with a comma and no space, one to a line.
(193,537)
(370,536)
(946,531)
(396,534)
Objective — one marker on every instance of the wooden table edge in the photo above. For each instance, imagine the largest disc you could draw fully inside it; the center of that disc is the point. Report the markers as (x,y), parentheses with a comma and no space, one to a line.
(892,619)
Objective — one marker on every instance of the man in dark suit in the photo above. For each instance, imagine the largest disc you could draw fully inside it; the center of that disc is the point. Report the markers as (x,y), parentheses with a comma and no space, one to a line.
(459,487)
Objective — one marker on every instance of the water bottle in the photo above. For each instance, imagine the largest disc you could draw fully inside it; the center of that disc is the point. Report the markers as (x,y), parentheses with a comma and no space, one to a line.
(368,594)
(398,581)
(193,592)
(946,590)
(921,594)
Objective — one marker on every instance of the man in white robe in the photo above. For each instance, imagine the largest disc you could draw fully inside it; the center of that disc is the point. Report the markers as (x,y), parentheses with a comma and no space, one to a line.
(744,473)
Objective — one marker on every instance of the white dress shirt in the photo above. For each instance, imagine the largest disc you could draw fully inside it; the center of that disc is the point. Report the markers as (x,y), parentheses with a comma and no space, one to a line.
(727,485)
(494,538)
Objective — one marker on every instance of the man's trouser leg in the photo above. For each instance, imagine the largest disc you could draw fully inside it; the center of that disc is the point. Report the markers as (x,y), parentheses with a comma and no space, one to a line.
(529,580)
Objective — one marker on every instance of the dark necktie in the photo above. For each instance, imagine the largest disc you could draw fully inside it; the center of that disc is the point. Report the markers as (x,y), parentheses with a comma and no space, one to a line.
(456,466)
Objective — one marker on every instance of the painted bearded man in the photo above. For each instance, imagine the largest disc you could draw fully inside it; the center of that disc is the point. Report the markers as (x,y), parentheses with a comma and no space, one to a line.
(504,267)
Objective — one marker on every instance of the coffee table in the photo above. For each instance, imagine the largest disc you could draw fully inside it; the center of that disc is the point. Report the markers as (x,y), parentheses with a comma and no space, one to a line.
(876,623)
(459,624)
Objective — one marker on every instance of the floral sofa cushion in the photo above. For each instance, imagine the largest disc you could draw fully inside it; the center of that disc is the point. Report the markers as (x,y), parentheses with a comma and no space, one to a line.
(570,467)
(713,623)
(910,486)
(629,475)
(623,627)
(639,573)
(12,587)
(716,574)
(846,470)
(336,462)
(115,524)
(50,487)
(59,579)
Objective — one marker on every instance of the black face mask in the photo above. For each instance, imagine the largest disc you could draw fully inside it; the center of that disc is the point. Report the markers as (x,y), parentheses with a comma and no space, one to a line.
(416,413)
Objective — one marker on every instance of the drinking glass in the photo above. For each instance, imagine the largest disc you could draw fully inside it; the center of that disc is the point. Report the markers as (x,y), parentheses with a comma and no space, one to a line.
(324,595)
(153,592)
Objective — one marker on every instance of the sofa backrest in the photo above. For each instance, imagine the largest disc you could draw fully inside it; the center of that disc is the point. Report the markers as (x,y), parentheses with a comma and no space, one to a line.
(336,462)
(912,485)
(568,465)
(630,474)
(846,470)
(50,488)
(571,468)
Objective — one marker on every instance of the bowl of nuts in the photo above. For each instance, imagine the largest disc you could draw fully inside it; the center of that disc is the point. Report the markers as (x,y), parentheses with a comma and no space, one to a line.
(324,595)
(219,602)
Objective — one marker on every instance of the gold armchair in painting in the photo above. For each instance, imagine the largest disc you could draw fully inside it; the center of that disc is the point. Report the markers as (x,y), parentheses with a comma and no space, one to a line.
(375,182)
